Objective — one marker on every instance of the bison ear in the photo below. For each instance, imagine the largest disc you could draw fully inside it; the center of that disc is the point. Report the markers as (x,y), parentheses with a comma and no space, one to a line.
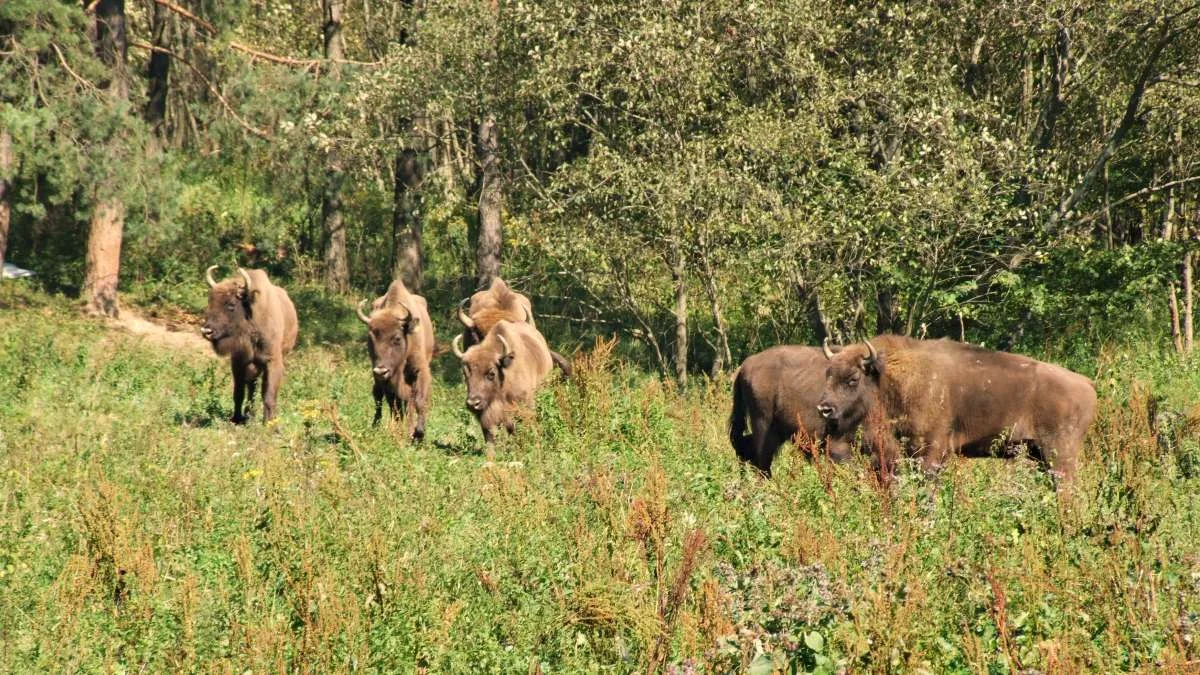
(873,366)
(506,360)
(410,326)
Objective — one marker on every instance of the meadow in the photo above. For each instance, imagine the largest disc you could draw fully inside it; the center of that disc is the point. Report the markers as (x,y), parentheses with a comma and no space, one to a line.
(614,532)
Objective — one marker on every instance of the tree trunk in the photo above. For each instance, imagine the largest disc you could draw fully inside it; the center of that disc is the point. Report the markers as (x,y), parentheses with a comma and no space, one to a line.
(158,70)
(6,165)
(408,256)
(487,249)
(678,276)
(337,268)
(887,311)
(1187,302)
(1176,332)
(724,358)
(102,265)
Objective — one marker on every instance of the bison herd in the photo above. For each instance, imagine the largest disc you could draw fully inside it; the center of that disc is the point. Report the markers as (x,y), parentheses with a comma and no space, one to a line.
(888,397)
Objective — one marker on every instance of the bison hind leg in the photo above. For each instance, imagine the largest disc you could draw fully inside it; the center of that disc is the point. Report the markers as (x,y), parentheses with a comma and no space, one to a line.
(764,444)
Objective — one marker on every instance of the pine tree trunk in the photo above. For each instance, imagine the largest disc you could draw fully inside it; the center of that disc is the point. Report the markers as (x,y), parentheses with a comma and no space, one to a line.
(103,263)
(487,249)
(158,70)
(337,267)
(408,256)
(679,277)
(6,164)
(1176,331)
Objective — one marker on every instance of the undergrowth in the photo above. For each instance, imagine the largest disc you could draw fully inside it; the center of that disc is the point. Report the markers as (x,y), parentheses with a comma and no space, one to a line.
(141,532)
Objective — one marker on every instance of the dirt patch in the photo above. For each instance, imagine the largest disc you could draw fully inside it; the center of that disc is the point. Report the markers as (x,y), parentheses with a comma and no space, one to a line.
(178,333)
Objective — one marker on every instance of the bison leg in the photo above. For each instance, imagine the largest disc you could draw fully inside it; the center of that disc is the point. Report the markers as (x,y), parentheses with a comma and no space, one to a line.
(764,443)
(273,378)
(377,394)
(239,392)
(489,436)
(420,404)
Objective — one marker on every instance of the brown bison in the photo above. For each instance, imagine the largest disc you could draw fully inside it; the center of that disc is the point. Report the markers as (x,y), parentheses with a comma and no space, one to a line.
(503,370)
(253,322)
(779,389)
(944,396)
(400,343)
(487,307)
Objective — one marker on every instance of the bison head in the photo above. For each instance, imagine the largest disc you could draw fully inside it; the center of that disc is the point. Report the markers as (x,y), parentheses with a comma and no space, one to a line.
(477,325)
(851,383)
(230,306)
(388,332)
(484,367)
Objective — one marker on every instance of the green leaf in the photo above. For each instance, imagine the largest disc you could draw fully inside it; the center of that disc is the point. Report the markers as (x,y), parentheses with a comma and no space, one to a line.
(815,642)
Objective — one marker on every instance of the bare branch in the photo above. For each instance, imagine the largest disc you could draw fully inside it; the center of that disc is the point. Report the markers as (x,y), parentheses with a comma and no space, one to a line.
(1151,189)
(187,15)
(78,78)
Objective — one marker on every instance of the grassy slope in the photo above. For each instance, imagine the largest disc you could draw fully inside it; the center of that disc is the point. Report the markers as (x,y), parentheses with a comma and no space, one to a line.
(615,516)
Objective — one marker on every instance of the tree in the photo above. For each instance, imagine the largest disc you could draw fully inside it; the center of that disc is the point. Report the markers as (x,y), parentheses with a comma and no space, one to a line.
(6,168)
(337,270)
(103,262)
(487,248)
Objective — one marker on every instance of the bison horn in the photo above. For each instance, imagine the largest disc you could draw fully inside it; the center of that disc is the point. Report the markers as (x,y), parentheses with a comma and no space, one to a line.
(212,283)
(464,318)
(528,316)
(871,350)
(456,346)
(361,316)
(507,350)
(249,286)
(825,348)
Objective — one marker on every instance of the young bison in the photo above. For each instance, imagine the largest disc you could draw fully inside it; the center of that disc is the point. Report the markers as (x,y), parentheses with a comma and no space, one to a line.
(503,371)
(400,343)
(253,322)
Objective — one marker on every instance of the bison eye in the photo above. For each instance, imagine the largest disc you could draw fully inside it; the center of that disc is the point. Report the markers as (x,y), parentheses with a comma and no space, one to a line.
(398,340)
(854,382)
(491,375)
(229,307)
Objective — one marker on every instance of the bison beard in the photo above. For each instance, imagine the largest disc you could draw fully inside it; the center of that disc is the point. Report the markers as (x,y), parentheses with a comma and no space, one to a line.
(254,323)
(948,397)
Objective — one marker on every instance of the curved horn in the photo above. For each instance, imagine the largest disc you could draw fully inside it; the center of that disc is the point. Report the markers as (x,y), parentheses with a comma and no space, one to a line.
(456,346)
(825,348)
(212,283)
(362,317)
(249,286)
(528,315)
(464,318)
(407,311)
(507,350)
(871,350)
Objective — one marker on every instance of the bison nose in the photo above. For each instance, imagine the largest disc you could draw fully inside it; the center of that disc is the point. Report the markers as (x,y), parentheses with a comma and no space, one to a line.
(826,410)
(474,403)
(206,331)
(381,371)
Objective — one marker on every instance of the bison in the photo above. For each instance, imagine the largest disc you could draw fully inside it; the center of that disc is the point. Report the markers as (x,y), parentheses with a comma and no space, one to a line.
(487,307)
(400,344)
(503,370)
(253,322)
(779,388)
(946,396)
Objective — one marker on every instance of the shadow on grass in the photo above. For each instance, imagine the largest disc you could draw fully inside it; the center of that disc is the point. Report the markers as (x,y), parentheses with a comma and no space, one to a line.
(326,319)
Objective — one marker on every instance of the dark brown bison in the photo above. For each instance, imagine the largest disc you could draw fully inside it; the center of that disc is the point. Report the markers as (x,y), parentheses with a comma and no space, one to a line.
(253,322)
(503,370)
(779,389)
(400,343)
(487,307)
(944,396)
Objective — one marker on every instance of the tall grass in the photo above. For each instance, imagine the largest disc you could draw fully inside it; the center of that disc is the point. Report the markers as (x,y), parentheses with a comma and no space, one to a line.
(140,532)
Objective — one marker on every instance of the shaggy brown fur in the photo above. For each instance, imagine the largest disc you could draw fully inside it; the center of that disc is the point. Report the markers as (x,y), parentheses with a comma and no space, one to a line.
(499,379)
(255,330)
(944,396)
(779,389)
(400,343)
(488,307)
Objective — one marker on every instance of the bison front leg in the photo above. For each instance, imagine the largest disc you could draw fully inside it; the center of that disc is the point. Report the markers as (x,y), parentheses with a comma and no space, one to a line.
(377,393)
(239,392)
(271,381)
(420,404)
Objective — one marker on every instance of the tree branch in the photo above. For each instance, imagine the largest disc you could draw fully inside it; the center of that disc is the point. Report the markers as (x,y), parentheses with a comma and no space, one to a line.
(1150,189)
(187,15)
(229,108)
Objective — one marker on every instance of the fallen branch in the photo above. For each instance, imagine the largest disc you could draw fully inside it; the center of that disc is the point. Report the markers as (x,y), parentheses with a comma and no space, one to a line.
(229,108)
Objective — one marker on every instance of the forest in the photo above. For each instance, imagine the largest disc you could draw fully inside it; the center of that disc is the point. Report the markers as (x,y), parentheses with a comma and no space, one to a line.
(676,186)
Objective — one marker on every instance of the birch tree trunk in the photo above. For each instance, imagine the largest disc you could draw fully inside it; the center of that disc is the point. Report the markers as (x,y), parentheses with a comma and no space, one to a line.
(6,164)
(337,268)
(487,249)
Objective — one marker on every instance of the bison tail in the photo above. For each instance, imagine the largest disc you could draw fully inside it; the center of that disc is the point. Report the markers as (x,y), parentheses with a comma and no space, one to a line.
(563,364)
(737,420)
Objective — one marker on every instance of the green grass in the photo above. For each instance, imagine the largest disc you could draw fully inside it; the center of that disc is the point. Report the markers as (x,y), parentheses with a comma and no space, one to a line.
(141,532)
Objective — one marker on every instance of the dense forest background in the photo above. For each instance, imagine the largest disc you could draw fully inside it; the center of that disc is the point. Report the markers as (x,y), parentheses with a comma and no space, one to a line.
(704,178)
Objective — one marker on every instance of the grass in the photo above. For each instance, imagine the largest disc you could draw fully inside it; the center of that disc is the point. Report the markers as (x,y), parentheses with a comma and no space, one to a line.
(141,532)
